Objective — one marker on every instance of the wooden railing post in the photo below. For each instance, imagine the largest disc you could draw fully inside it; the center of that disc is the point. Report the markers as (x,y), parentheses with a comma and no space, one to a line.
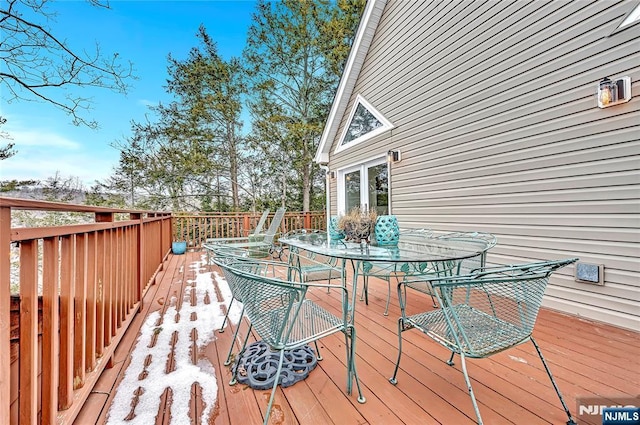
(5,315)
(28,387)
(50,339)
(92,284)
(246,224)
(80,309)
(307,220)
(103,331)
(140,257)
(67,314)
(101,272)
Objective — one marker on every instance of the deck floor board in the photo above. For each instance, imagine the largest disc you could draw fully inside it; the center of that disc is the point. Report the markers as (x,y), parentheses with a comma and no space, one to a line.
(588,359)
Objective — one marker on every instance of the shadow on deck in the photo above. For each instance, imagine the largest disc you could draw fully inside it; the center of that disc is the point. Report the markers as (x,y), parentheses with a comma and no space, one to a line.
(588,360)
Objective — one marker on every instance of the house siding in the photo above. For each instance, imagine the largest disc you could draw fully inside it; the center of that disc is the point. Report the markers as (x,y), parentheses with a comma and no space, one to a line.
(495,113)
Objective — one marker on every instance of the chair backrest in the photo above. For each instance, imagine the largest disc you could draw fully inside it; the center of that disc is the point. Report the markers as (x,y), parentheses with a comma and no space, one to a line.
(484,241)
(495,308)
(310,266)
(270,303)
(416,232)
(228,251)
(225,257)
(274,225)
(260,225)
(257,230)
(406,235)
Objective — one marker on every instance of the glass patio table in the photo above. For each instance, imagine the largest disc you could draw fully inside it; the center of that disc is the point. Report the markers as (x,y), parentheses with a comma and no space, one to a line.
(443,254)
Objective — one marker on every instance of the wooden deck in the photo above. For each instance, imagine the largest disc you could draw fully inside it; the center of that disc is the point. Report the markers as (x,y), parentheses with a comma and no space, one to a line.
(588,360)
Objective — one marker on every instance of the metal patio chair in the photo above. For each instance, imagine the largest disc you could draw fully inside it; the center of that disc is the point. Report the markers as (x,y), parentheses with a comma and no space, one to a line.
(283,317)
(419,279)
(259,245)
(255,232)
(386,271)
(251,236)
(309,266)
(483,313)
(227,255)
(484,240)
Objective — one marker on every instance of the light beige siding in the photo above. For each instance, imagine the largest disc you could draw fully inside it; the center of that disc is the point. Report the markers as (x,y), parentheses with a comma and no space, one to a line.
(495,113)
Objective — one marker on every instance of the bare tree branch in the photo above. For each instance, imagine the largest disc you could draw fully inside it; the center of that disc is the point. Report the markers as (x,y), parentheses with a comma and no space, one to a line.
(38,66)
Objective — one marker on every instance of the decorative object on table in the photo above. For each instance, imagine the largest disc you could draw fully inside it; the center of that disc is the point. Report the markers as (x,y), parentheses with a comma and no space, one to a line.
(179,248)
(358,224)
(335,234)
(386,230)
(257,366)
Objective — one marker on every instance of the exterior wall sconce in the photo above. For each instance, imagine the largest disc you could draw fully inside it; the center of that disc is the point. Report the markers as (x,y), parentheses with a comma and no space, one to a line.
(332,175)
(394,156)
(613,92)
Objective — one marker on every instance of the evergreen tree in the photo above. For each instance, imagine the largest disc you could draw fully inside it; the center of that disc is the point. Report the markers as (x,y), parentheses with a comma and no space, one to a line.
(190,158)
(294,61)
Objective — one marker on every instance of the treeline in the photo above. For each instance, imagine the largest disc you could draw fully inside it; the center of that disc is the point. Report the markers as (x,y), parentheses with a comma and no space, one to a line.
(197,153)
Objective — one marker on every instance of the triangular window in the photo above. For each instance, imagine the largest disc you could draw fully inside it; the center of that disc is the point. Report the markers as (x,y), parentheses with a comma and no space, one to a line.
(632,17)
(364,123)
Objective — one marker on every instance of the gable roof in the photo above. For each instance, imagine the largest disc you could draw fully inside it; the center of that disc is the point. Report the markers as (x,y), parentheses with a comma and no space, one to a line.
(368,24)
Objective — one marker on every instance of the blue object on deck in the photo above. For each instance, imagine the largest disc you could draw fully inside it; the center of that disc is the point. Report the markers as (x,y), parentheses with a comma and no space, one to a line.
(179,247)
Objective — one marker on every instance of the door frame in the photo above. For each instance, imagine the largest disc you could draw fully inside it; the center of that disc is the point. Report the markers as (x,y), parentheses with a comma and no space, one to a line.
(364,193)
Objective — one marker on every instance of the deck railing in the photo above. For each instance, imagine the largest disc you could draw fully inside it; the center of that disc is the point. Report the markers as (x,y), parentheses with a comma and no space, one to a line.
(88,280)
(195,228)
(79,287)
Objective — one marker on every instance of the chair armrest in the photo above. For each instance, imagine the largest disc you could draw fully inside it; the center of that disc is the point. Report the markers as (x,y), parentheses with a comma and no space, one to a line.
(213,241)
(506,273)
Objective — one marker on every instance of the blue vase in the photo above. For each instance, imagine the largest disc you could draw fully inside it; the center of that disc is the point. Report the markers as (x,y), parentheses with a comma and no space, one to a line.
(386,230)
(335,233)
(179,248)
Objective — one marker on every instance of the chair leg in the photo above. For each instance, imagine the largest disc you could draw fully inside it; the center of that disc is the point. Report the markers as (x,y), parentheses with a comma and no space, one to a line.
(227,362)
(275,387)
(234,375)
(393,379)
(386,308)
(450,361)
(433,298)
(226,316)
(351,362)
(571,421)
(365,290)
(468,381)
(318,355)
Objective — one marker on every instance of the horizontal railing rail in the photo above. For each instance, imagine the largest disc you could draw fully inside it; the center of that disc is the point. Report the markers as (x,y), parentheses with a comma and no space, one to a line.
(79,287)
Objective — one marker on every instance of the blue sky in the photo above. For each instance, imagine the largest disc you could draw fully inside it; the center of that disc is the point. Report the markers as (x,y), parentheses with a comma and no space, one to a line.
(144,32)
